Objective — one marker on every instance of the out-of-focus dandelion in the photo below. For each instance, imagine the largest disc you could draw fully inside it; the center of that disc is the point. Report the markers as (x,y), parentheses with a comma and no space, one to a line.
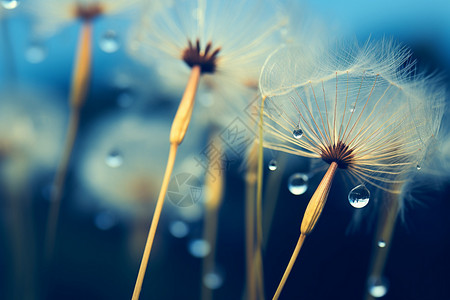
(361,110)
(31,125)
(118,173)
(50,17)
(222,42)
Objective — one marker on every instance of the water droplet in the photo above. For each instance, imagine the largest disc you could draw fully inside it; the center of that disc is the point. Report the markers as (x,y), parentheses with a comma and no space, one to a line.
(359,196)
(105,220)
(273,165)
(179,229)
(352,107)
(418,167)
(381,244)
(213,280)
(35,53)
(114,159)
(125,100)
(10,4)
(109,42)
(199,248)
(298,183)
(297,133)
(377,287)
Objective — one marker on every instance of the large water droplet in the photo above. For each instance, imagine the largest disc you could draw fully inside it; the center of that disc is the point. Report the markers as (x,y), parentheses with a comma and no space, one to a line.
(109,42)
(114,159)
(359,196)
(213,280)
(273,165)
(298,183)
(105,220)
(377,287)
(297,133)
(179,229)
(381,244)
(199,248)
(418,167)
(35,53)
(10,4)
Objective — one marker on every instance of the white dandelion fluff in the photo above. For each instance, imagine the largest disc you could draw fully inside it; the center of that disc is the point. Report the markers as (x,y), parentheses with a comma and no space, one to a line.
(363,110)
(229,39)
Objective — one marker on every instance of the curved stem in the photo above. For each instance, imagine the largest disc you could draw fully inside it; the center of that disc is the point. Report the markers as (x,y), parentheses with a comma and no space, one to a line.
(310,218)
(299,245)
(178,131)
(80,79)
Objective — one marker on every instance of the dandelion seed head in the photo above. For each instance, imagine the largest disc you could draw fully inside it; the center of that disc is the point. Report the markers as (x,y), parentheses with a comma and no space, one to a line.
(362,107)
(122,167)
(228,39)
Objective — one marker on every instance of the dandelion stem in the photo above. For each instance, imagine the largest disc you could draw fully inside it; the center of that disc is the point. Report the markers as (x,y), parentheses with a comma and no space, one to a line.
(251,179)
(80,79)
(300,241)
(178,131)
(385,230)
(310,218)
(213,193)
(259,186)
(9,61)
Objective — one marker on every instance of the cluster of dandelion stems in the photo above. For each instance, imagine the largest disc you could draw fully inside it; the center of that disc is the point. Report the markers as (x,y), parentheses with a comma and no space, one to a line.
(200,62)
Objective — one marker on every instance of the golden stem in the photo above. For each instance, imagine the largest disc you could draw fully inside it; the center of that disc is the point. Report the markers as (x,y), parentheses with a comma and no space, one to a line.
(213,193)
(251,178)
(184,112)
(310,218)
(300,241)
(259,269)
(80,79)
(178,131)
(385,230)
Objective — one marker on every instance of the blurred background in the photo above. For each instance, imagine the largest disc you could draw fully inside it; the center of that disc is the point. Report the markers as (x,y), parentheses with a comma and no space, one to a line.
(119,157)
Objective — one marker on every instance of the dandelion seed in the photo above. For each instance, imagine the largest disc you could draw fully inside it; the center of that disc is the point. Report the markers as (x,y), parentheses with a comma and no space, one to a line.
(226,58)
(393,114)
